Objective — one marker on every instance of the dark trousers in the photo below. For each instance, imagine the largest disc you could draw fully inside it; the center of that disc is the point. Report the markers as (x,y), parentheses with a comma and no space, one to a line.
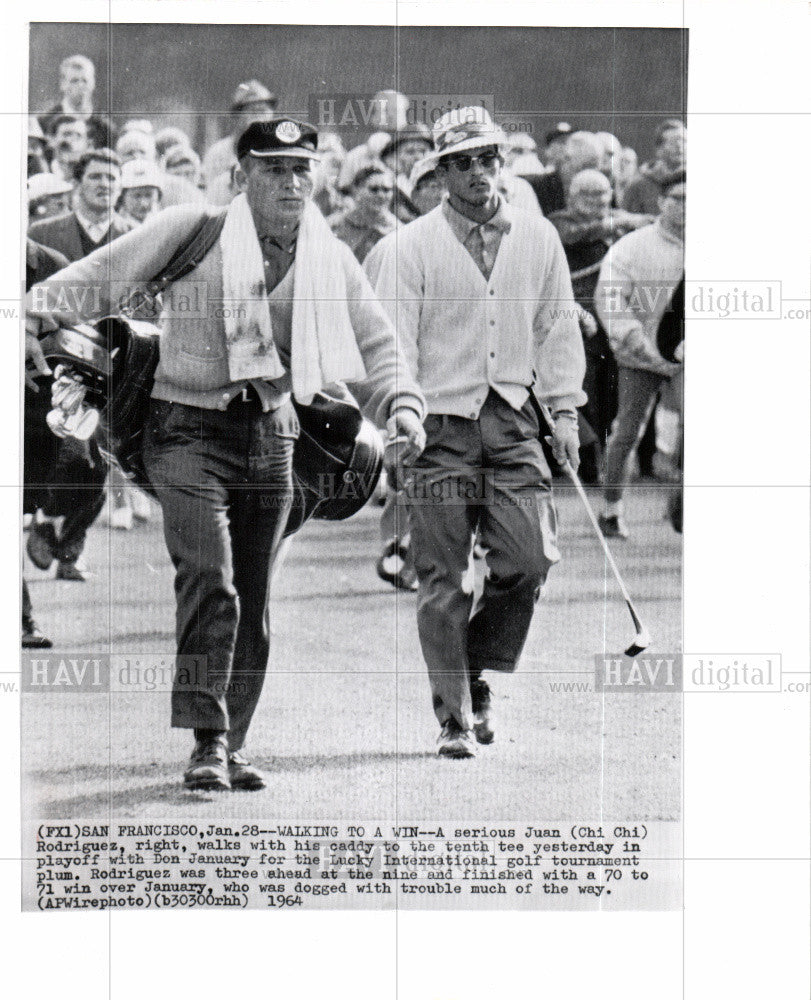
(600,385)
(638,392)
(489,475)
(64,477)
(27,610)
(224,481)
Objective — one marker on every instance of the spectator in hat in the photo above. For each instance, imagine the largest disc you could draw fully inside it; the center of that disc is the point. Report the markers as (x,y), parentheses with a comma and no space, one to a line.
(141,190)
(69,142)
(135,144)
(555,145)
(48,195)
(170,136)
(484,309)
(182,161)
(37,148)
(358,157)
(400,153)
(581,151)
(642,195)
(251,101)
(637,280)
(182,177)
(521,156)
(77,81)
(370,218)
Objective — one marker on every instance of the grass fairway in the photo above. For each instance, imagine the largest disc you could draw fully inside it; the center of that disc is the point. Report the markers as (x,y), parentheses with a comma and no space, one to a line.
(345,727)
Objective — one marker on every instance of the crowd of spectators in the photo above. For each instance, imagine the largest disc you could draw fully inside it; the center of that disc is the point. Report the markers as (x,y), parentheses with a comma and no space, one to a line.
(90,180)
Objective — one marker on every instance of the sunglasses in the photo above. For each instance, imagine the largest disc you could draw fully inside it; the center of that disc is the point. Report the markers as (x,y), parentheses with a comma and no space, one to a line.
(379,189)
(464,161)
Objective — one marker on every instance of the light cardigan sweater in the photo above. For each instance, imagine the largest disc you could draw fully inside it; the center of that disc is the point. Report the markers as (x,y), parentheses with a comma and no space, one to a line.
(462,333)
(193,366)
(637,279)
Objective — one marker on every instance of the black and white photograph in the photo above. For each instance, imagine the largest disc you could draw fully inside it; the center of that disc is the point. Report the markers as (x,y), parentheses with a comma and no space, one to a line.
(353,450)
(356,472)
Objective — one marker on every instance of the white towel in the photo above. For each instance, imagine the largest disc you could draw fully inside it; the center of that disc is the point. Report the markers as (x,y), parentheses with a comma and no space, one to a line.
(323,347)
(248,333)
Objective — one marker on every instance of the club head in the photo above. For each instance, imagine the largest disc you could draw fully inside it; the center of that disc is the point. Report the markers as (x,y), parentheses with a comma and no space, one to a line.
(639,645)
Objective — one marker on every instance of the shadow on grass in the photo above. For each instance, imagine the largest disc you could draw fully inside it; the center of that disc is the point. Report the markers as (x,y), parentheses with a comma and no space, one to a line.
(170,788)
(385,590)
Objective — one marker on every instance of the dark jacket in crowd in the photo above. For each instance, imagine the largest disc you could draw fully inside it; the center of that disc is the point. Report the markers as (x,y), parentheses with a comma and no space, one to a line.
(65,234)
(41,262)
(642,194)
(549,191)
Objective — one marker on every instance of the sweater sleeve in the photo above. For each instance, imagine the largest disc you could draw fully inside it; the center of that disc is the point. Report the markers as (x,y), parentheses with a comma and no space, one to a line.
(560,363)
(99,284)
(389,383)
(614,301)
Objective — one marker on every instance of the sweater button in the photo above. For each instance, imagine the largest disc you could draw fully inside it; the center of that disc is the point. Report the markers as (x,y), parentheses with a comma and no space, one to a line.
(492,291)
(492,322)
(492,354)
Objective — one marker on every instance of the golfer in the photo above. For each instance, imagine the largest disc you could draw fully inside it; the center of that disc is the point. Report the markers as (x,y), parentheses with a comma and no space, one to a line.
(483,303)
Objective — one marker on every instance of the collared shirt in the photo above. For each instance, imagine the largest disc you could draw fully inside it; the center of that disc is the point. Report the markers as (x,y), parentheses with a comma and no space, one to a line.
(277,259)
(95,230)
(481,240)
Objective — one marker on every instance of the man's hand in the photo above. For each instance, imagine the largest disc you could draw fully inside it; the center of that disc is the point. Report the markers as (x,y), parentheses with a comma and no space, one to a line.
(404,424)
(34,360)
(565,440)
(588,324)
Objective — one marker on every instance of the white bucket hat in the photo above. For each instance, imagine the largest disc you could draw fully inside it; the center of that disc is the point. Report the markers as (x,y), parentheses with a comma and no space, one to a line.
(465,128)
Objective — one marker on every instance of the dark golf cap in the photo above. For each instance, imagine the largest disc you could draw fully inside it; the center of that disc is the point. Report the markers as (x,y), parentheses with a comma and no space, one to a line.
(279,137)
